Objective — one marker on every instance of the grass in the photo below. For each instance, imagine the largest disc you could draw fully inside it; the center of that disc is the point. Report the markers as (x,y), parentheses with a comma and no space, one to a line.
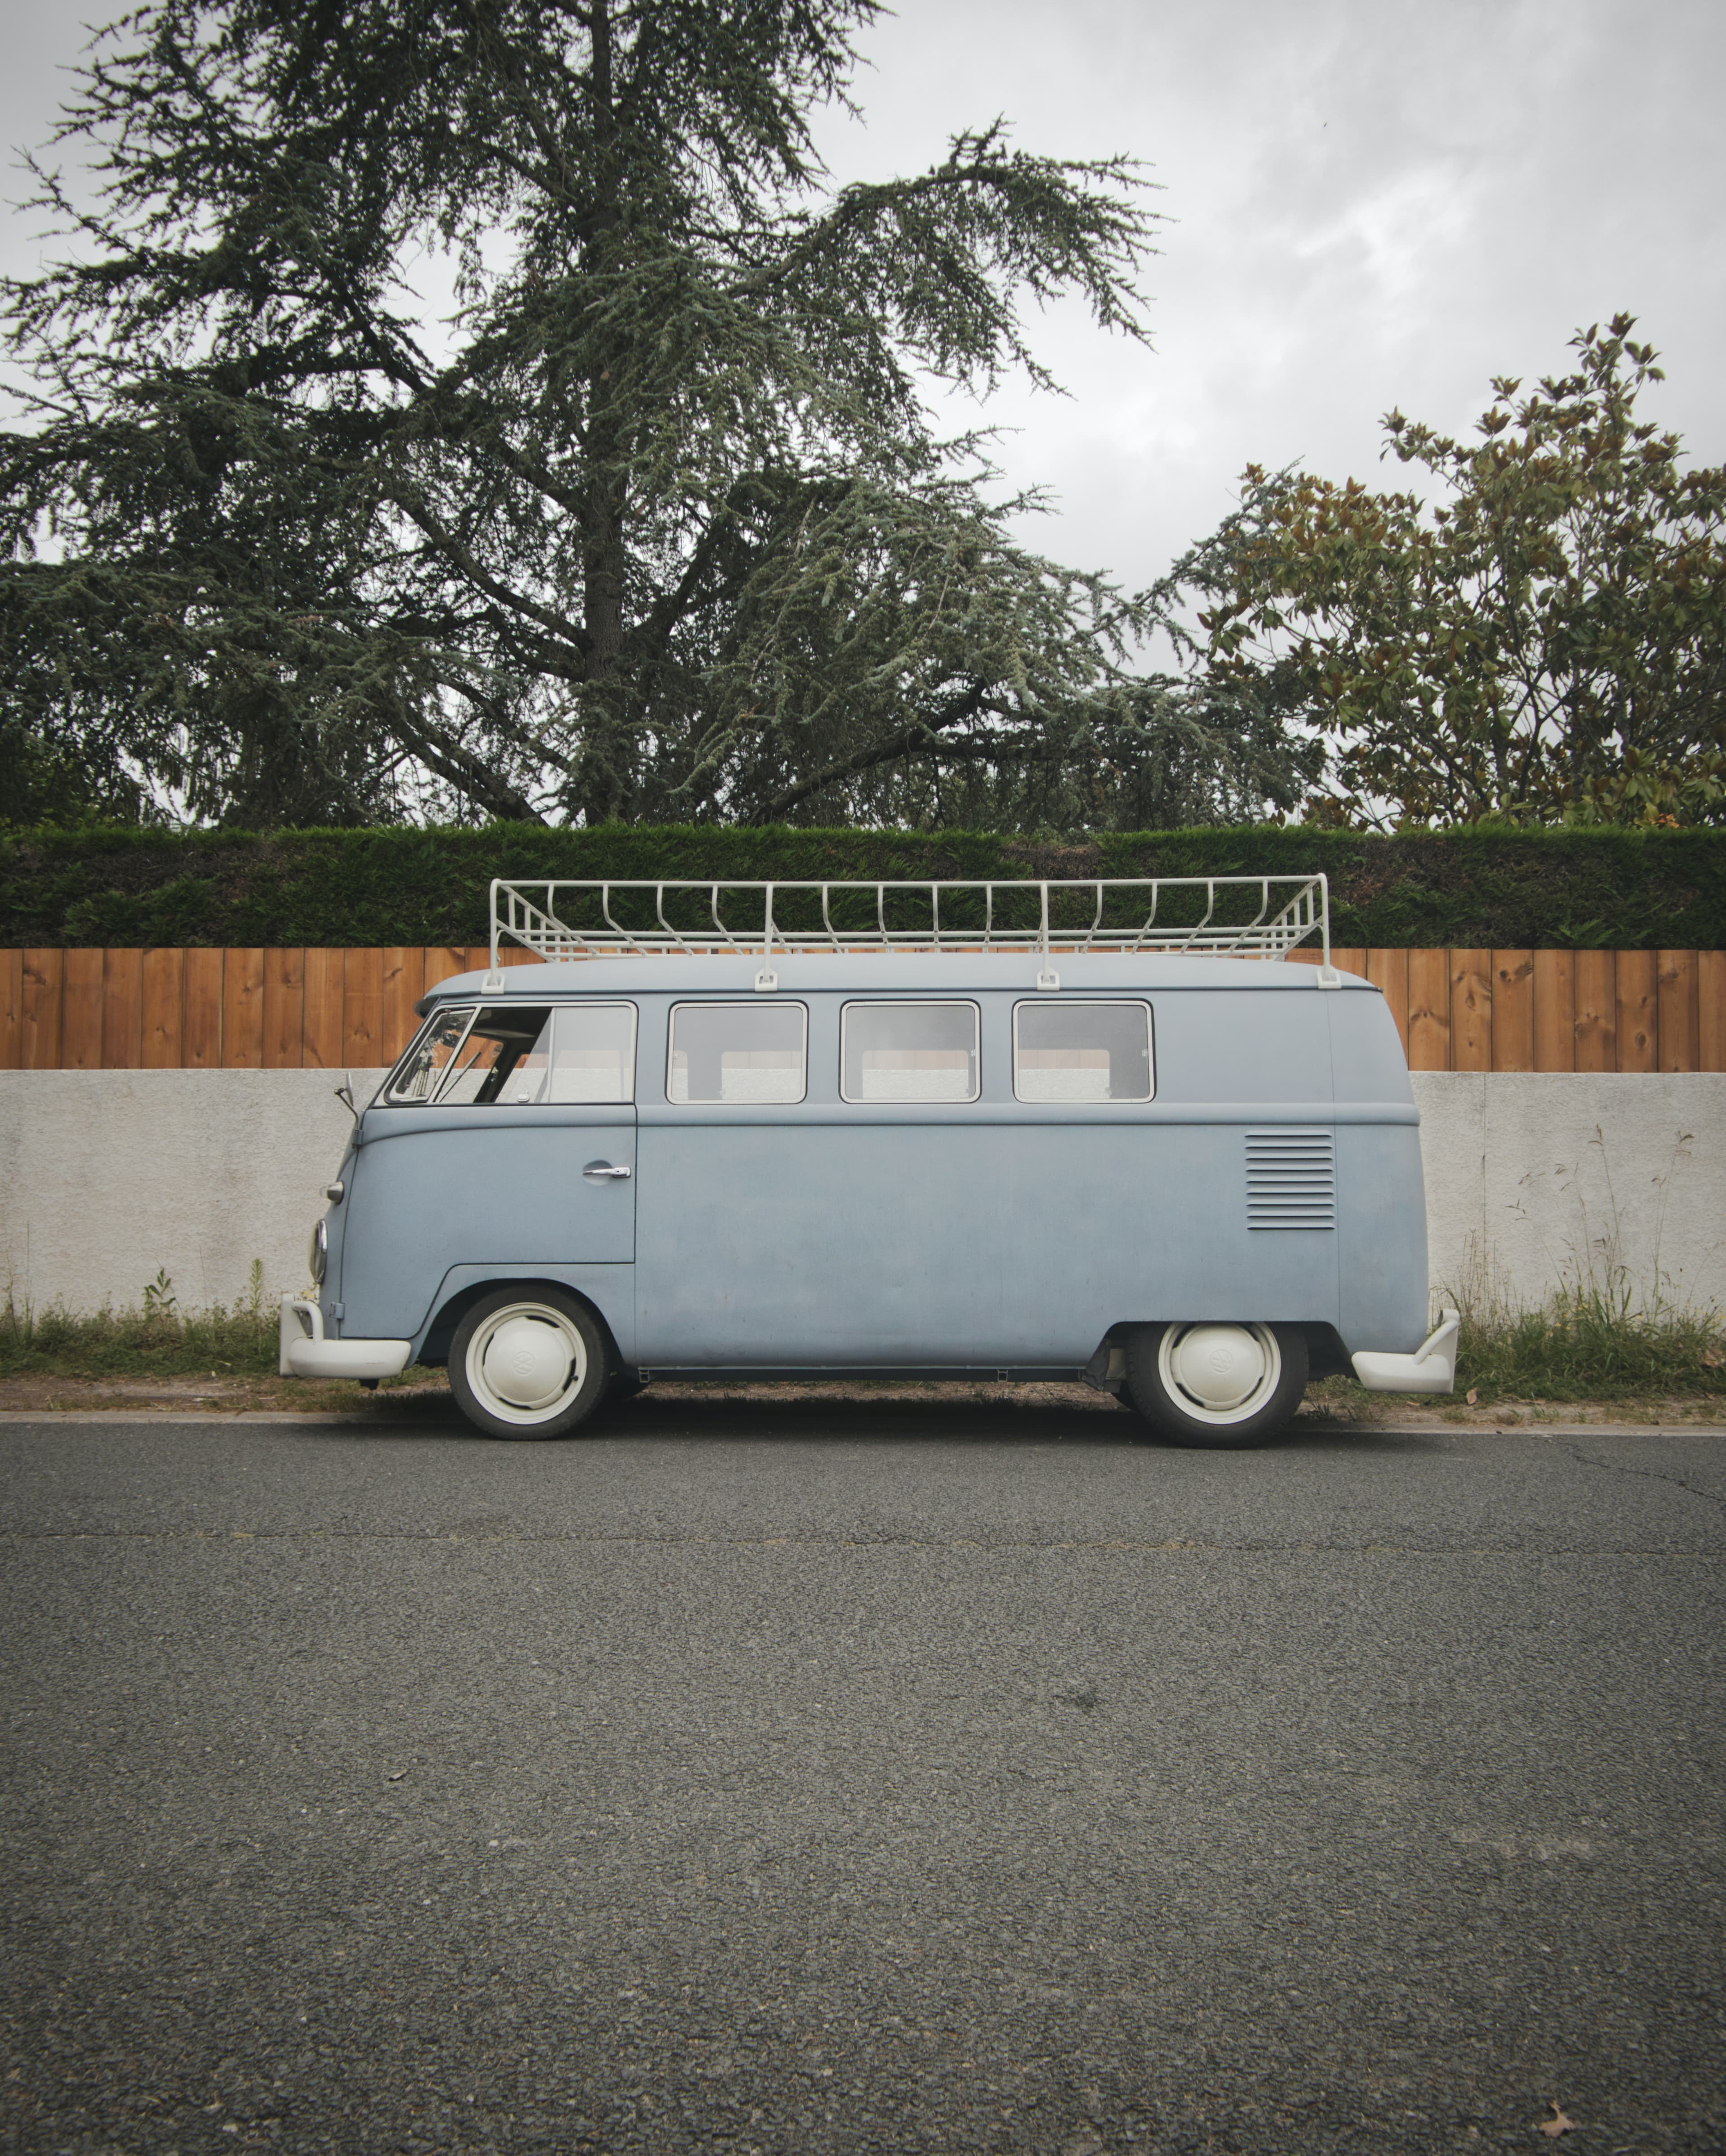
(1589,1344)
(1603,1334)
(156,1339)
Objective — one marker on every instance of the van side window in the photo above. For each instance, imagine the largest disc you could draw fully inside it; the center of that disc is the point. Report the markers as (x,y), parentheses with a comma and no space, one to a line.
(497,1043)
(585,1055)
(738,1052)
(908,1052)
(1075,1051)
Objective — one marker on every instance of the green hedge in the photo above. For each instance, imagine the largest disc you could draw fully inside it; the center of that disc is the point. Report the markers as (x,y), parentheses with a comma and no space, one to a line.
(1623,889)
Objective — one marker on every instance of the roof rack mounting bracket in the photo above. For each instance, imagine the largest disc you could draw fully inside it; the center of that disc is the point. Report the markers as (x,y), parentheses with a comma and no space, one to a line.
(1047,979)
(766,981)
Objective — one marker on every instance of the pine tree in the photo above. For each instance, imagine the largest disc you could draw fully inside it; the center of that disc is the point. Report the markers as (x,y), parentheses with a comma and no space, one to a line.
(658,526)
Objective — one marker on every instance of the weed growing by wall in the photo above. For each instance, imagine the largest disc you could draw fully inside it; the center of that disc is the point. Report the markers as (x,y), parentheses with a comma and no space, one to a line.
(156,1338)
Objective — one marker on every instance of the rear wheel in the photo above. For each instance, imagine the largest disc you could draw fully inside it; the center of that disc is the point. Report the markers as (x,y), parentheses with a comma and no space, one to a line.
(527,1362)
(1223,1385)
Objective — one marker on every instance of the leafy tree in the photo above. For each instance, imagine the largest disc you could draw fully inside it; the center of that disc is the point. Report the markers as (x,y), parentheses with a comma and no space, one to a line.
(661,528)
(1545,642)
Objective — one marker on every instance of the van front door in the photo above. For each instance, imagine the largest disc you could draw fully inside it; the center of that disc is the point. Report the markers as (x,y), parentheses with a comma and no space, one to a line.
(523,1155)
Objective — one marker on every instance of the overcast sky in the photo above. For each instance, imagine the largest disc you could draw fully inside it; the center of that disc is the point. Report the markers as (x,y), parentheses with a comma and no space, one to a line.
(1370,203)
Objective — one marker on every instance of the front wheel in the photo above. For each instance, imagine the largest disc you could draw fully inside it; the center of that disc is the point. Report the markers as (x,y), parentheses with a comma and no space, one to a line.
(527,1362)
(1215,1384)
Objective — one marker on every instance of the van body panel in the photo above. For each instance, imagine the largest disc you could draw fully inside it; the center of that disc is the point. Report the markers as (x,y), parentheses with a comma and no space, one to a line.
(1367,1058)
(1245,1045)
(943,1243)
(610,1289)
(466,1187)
(1274,1176)
(1381,1236)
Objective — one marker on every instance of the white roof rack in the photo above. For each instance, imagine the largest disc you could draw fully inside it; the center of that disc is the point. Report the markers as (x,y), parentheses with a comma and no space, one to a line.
(1262,916)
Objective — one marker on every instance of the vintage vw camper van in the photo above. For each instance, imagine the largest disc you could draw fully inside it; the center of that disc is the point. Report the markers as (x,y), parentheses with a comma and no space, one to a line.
(1052,1131)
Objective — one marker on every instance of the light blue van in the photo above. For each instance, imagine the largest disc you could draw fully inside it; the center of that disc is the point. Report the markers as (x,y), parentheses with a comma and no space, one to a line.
(971,1148)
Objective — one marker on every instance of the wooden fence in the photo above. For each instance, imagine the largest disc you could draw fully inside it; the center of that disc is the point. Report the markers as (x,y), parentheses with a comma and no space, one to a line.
(327,1009)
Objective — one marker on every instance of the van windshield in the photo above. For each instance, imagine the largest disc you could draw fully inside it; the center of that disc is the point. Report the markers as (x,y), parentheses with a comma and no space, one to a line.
(427,1063)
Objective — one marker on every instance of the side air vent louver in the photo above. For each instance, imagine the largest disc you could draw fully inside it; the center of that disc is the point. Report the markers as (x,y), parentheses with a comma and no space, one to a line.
(1291,1179)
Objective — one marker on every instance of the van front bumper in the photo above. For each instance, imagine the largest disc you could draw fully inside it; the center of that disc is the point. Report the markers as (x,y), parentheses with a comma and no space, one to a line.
(1431,1368)
(306,1353)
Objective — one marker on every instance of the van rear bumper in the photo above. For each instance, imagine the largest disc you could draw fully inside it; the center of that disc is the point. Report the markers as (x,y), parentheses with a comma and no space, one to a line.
(306,1353)
(1431,1368)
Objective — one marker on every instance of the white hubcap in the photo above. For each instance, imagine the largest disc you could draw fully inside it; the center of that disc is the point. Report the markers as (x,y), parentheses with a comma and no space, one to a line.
(527,1362)
(1220,1373)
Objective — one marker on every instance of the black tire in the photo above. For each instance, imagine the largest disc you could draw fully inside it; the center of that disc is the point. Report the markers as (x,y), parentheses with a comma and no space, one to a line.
(1158,1381)
(528,1362)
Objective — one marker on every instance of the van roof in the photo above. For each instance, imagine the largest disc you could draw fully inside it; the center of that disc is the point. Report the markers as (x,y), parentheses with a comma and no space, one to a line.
(879,973)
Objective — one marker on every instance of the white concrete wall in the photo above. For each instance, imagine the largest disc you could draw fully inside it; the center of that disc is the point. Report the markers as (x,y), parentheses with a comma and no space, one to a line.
(107,1176)
(1535,1178)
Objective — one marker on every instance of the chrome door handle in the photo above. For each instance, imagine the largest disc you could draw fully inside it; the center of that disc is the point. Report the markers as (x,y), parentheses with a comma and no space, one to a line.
(600,1169)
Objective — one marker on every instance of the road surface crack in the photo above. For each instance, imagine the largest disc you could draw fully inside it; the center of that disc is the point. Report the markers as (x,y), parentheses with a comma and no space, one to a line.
(1646,1474)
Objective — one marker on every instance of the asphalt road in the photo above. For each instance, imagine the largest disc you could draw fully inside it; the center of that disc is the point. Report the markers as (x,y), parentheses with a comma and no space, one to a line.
(811,1778)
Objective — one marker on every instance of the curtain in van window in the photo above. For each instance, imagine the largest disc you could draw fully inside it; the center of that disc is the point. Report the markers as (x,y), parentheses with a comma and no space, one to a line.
(1082,1052)
(909,1052)
(737,1053)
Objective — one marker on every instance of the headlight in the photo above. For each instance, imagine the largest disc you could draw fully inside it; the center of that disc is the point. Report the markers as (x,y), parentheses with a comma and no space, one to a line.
(320,1258)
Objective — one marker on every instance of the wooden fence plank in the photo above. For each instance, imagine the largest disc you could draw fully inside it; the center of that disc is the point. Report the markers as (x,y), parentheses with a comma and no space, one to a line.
(1596,978)
(1638,1011)
(81,1016)
(162,1020)
(1676,984)
(284,1009)
(242,1009)
(122,1009)
(1513,1013)
(324,988)
(251,1008)
(1429,1010)
(404,983)
(1711,1010)
(1388,971)
(44,980)
(12,1010)
(1555,1011)
(202,1022)
(441,962)
(1470,1010)
(362,1009)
